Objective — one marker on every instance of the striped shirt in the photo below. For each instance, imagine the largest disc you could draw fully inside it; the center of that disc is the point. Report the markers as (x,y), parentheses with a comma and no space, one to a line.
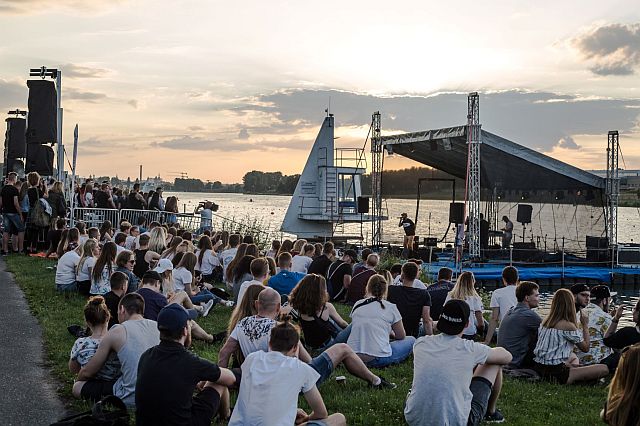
(554,346)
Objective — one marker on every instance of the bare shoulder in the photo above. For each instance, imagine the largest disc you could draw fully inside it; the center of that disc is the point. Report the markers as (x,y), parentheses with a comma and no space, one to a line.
(566,326)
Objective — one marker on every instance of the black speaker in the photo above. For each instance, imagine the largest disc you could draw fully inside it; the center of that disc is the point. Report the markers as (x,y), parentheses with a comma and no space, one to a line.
(629,255)
(15,138)
(524,213)
(598,249)
(39,159)
(524,251)
(363,204)
(42,124)
(456,213)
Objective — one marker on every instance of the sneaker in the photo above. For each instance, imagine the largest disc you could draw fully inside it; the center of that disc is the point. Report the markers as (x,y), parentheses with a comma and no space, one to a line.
(228,303)
(384,384)
(4,253)
(495,417)
(207,307)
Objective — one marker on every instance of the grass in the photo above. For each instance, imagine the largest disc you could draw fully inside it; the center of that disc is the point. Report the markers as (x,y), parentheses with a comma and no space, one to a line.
(522,403)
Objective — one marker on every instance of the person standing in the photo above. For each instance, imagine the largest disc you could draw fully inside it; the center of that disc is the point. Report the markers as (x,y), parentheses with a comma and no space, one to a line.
(409,234)
(10,208)
(507,232)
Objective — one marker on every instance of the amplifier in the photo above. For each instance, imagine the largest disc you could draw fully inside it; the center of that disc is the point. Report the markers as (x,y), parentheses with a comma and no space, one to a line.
(431,241)
(629,255)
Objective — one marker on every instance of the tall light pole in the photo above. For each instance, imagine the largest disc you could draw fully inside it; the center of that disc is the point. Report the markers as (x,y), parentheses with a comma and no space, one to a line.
(44,72)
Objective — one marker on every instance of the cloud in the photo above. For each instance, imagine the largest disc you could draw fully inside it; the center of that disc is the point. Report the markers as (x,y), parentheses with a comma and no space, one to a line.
(201,144)
(195,128)
(243,133)
(80,71)
(24,7)
(567,142)
(133,103)
(71,93)
(612,49)
(13,94)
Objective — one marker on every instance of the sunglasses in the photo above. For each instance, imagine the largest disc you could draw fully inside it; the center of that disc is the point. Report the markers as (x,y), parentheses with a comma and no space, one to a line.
(132,261)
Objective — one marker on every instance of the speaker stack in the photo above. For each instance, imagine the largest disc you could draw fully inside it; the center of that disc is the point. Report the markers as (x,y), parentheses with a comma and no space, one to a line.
(42,126)
(14,146)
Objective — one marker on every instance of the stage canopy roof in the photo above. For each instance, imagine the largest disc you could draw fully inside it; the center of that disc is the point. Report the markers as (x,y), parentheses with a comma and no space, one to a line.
(504,165)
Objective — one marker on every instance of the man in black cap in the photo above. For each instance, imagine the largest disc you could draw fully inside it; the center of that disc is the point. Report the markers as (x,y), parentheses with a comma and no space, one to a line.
(446,389)
(168,375)
(581,295)
(409,234)
(599,322)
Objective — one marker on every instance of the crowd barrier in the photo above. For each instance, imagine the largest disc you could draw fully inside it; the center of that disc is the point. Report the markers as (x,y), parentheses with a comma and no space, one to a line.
(94,217)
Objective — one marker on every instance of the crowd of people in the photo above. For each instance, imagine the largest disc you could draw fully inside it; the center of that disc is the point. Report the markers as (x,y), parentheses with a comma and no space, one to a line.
(148,285)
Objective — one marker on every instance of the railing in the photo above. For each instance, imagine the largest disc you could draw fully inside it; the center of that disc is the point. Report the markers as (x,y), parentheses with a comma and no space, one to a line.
(93,217)
(350,157)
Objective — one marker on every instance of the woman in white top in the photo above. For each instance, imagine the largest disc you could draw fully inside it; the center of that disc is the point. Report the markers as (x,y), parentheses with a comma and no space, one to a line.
(184,279)
(557,336)
(374,319)
(66,270)
(102,270)
(90,253)
(208,260)
(465,290)
(301,262)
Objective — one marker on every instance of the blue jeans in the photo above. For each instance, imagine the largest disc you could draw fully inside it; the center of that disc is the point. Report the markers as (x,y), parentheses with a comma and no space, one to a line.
(204,296)
(323,366)
(13,223)
(342,337)
(400,350)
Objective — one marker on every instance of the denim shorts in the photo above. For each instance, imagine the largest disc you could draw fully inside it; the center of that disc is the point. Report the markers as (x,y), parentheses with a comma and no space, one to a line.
(66,287)
(13,223)
(316,423)
(481,390)
(323,365)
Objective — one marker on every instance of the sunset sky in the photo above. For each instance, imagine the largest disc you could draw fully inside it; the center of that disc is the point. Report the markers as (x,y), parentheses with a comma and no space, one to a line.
(216,89)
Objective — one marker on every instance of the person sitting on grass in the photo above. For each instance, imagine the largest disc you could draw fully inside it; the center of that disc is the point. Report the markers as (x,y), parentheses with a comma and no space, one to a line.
(599,322)
(581,296)
(259,271)
(414,304)
(285,280)
(252,334)
(519,327)
(363,264)
(89,256)
(502,299)
(465,290)
(134,233)
(455,381)
(102,270)
(66,270)
(322,325)
(358,283)
(129,339)
(273,251)
(622,407)
(274,379)
(125,262)
(96,316)
(321,263)
(554,358)
(184,280)
(168,375)
(120,239)
(300,262)
(82,231)
(339,275)
(626,336)
(119,287)
(245,308)
(374,319)
(144,257)
(208,260)
(438,292)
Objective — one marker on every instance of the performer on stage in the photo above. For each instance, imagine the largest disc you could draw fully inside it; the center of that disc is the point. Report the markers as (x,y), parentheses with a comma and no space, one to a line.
(507,232)
(410,233)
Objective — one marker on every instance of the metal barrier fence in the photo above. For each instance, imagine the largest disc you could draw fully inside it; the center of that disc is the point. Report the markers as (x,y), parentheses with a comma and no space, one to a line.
(95,217)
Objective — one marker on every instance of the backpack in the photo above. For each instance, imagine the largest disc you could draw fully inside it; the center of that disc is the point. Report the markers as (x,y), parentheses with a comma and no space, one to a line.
(39,215)
(99,415)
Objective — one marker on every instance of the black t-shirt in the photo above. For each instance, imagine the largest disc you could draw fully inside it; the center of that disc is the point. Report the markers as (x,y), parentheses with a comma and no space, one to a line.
(7,193)
(438,293)
(153,302)
(622,338)
(141,265)
(335,276)
(358,286)
(34,195)
(102,199)
(111,300)
(319,266)
(167,378)
(409,302)
(408,226)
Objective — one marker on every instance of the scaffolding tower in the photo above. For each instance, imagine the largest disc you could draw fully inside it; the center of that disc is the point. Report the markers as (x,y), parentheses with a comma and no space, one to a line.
(377,163)
(612,187)
(472,196)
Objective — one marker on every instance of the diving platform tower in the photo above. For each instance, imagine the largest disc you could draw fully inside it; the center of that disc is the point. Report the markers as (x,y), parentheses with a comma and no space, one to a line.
(328,191)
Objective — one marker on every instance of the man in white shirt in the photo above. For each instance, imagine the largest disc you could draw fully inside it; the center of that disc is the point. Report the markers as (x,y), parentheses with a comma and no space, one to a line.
(252,334)
(446,389)
(66,271)
(502,300)
(301,262)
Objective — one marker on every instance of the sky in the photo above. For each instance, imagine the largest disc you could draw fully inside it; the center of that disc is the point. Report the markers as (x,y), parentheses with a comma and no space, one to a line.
(217,89)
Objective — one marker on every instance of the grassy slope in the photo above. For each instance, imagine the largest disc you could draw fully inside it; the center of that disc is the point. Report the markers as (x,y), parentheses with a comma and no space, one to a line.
(522,403)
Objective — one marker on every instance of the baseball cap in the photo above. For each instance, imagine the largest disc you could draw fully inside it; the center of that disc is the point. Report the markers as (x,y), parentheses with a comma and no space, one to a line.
(403,215)
(601,291)
(352,254)
(454,317)
(151,275)
(163,265)
(579,288)
(172,317)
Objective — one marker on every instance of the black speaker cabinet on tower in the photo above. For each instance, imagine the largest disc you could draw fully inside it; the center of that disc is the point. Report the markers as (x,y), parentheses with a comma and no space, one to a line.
(42,125)
(39,159)
(456,213)
(363,204)
(15,138)
(524,213)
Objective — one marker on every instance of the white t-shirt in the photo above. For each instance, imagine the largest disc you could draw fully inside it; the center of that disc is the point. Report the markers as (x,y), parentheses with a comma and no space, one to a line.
(84,274)
(102,285)
(209,261)
(475,304)
(504,298)
(442,371)
(205,217)
(271,382)
(226,257)
(88,198)
(300,263)
(416,283)
(181,278)
(244,286)
(371,326)
(119,249)
(66,268)
(82,239)
(253,334)
(130,243)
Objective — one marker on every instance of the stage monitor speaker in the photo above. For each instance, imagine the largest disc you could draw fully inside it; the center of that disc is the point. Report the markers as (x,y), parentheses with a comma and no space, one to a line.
(42,124)
(524,213)
(598,249)
(524,251)
(629,256)
(363,204)
(15,138)
(456,213)
(39,159)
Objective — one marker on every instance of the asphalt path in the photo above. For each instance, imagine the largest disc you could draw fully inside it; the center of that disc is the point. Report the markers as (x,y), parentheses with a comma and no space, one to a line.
(26,385)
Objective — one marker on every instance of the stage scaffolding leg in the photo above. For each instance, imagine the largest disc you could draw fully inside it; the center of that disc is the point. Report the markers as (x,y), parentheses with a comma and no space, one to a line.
(473,173)
(377,159)
(612,190)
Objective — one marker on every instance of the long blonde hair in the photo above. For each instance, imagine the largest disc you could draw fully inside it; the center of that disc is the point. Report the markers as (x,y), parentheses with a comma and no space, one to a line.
(465,287)
(623,401)
(87,251)
(158,239)
(563,308)
(168,286)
